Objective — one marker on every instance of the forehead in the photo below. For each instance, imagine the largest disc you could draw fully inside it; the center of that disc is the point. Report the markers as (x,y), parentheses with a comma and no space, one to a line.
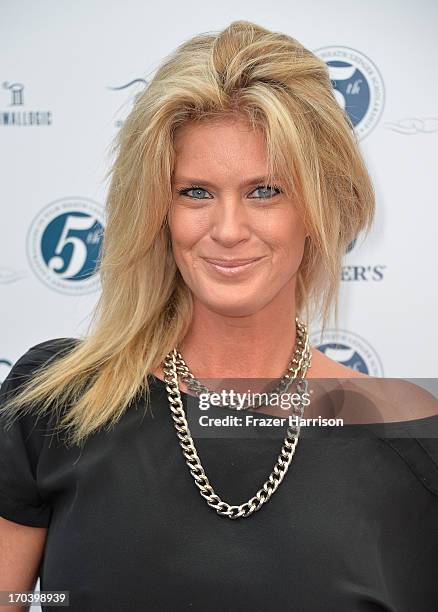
(215,127)
(225,146)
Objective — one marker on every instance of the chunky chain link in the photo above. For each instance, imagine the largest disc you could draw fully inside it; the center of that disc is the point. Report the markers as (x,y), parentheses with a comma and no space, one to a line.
(284,383)
(171,368)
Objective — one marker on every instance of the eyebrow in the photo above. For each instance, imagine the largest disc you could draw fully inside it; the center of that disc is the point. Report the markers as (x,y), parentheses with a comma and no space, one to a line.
(197,181)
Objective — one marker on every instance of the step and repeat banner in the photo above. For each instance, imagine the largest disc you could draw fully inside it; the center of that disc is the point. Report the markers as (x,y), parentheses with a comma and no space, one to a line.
(70,73)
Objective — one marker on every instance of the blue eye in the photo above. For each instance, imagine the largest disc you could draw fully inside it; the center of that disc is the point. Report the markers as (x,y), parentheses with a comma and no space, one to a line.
(268,190)
(192,188)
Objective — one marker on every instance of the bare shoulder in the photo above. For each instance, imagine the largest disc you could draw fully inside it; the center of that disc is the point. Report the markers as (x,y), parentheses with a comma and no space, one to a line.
(378,399)
(325,367)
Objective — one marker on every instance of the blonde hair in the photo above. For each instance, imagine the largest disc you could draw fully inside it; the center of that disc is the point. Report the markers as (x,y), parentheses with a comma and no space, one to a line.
(145,308)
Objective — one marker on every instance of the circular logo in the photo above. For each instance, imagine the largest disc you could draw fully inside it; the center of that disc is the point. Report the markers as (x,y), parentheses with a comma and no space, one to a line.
(63,245)
(349,349)
(358,86)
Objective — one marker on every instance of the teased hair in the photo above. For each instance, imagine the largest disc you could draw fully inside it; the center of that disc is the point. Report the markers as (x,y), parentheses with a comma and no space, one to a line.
(145,308)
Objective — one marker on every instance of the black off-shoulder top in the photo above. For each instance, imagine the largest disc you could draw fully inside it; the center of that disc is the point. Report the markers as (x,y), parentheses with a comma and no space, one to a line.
(352,527)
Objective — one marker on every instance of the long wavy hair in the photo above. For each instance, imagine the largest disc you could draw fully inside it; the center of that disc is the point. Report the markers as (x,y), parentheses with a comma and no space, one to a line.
(145,308)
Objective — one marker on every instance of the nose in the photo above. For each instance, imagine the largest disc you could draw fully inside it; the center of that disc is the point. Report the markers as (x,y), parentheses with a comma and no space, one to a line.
(229,223)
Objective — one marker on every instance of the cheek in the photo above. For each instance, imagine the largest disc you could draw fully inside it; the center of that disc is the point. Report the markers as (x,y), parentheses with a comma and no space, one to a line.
(187,227)
(294,244)
(297,235)
(285,235)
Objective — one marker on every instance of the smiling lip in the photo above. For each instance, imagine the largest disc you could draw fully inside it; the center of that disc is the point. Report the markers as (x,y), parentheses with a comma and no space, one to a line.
(231,263)
(231,267)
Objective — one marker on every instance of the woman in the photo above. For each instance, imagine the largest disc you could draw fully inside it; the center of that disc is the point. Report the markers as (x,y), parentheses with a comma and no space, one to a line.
(237,187)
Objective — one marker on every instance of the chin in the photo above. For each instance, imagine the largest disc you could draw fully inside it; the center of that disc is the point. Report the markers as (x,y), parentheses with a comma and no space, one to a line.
(230,306)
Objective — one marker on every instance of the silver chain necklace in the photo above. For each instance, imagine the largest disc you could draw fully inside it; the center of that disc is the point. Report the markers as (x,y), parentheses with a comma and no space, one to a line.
(170,368)
(283,385)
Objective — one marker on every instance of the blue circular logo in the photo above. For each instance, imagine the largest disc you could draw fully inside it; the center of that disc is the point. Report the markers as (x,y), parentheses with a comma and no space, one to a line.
(358,86)
(63,245)
(348,349)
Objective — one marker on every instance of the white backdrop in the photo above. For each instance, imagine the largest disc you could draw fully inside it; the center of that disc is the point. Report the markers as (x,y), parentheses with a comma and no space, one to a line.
(70,71)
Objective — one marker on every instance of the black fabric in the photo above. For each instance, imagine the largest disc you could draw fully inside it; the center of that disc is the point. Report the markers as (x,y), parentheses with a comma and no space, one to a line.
(353,526)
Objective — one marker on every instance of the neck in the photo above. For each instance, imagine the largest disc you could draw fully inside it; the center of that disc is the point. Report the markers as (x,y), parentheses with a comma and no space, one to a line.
(254,346)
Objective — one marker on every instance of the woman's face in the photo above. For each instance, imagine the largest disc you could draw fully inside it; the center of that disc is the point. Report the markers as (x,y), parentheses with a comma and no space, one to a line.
(237,241)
